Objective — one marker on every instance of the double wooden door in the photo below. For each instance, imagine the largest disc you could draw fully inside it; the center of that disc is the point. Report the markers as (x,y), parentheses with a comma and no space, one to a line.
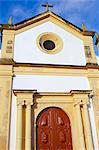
(53,130)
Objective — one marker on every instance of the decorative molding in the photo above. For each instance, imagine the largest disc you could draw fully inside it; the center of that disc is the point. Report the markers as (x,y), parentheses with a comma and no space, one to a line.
(9,42)
(9,49)
(9,46)
(88,51)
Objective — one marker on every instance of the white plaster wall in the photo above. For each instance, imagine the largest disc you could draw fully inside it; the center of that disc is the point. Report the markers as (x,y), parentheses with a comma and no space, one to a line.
(44,83)
(26,50)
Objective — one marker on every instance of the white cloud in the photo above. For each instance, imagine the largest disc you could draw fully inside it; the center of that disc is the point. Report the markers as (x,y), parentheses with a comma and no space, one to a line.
(18,11)
(70,5)
(60,7)
(21,12)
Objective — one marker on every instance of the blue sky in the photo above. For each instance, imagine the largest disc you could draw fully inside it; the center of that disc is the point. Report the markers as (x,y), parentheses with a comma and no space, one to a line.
(75,11)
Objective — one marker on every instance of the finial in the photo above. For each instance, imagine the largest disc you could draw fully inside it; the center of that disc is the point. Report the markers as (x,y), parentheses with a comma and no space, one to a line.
(97,39)
(98,44)
(47,6)
(83,27)
(10,20)
(97,36)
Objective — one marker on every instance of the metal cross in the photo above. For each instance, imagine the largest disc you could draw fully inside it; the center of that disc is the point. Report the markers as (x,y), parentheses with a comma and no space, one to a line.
(47,6)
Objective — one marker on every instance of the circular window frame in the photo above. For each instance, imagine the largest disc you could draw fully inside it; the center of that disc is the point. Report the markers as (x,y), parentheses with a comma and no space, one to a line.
(52,37)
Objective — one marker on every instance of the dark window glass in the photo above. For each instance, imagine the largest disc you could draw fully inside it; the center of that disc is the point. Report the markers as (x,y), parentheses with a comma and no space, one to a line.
(49,45)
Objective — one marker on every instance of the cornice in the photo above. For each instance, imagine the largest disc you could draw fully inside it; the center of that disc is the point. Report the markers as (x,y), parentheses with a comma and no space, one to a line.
(72,92)
(87,66)
(4,61)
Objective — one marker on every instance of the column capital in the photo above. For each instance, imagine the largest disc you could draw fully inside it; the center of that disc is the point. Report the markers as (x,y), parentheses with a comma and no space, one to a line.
(91,95)
(20,103)
(77,103)
(82,103)
(24,97)
(81,98)
(28,103)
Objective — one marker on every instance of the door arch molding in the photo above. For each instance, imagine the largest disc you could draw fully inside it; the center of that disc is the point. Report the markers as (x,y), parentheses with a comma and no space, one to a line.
(51,107)
(49,120)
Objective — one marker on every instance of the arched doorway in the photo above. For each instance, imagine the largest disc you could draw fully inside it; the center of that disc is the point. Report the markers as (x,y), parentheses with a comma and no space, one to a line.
(53,130)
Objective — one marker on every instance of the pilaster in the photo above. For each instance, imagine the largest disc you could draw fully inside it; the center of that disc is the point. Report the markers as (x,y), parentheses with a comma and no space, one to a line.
(84,128)
(24,97)
(89,50)
(79,123)
(28,127)
(87,127)
(7,44)
(19,127)
(5,104)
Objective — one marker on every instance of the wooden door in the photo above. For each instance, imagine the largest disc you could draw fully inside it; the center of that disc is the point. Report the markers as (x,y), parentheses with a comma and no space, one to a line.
(53,130)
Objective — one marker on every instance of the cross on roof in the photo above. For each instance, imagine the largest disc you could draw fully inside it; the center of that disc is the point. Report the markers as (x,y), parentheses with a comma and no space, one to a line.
(47,6)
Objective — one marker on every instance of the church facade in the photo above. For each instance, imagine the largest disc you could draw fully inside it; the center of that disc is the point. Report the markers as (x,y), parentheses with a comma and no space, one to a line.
(49,86)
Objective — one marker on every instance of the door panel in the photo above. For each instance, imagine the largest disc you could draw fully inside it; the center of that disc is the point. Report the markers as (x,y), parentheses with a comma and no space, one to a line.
(53,130)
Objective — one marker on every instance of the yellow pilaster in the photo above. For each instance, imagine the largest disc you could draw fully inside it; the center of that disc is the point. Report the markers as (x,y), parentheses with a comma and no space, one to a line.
(81,142)
(29,103)
(5,105)
(28,128)
(83,122)
(7,44)
(87,128)
(90,53)
(19,127)
(24,97)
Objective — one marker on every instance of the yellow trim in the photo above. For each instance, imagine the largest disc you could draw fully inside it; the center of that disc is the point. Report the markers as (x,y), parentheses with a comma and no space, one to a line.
(54,19)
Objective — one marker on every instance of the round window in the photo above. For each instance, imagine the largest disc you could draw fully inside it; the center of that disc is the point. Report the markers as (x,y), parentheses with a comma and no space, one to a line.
(49,43)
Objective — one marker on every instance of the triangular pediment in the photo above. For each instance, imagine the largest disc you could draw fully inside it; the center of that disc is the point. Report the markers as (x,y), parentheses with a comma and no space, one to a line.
(44,17)
(50,16)
(32,36)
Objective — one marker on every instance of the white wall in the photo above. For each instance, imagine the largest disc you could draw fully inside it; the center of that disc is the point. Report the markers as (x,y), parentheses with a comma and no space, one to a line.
(26,50)
(43,83)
